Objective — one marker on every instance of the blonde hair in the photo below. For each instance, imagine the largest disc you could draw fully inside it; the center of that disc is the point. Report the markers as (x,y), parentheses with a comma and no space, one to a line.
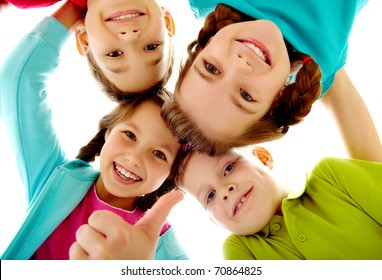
(290,106)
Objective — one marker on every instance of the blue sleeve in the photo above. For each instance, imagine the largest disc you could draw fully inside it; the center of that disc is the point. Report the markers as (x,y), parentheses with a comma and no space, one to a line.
(169,248)
(23,105)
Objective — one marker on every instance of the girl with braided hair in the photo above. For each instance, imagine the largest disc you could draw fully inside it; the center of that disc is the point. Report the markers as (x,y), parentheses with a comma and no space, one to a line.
(256,69)
(136,151)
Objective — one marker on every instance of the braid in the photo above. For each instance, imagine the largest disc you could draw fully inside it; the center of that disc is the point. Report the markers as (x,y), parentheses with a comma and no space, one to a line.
(146,201)
(295,101)
(218,19)
(93,148)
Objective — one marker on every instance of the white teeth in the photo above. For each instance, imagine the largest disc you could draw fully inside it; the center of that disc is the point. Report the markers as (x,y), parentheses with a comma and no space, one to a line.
(124,17)
(256,50)
(126,174)
(238,205)
(243,199)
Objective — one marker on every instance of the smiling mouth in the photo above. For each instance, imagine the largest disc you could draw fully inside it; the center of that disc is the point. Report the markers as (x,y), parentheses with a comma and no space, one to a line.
(124,16)
(241,202)
(257,49)
(126,175)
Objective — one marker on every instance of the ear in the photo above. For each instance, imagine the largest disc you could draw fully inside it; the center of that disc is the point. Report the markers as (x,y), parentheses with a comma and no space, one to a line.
(264,156)
(169,20)
(81,37)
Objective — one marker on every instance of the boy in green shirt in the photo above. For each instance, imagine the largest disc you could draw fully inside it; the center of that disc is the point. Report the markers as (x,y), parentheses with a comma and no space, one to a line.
(337,215)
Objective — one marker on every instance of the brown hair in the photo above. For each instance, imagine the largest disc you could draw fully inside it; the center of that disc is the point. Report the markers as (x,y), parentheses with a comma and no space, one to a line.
(124,110)
(290,106)
(112,91)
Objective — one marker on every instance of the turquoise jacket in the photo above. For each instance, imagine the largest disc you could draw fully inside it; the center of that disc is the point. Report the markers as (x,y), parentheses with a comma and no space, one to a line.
(54,185)
(319,28)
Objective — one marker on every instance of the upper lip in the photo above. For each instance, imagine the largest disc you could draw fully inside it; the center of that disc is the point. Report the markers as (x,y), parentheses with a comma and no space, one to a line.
(239,200)
(259,46)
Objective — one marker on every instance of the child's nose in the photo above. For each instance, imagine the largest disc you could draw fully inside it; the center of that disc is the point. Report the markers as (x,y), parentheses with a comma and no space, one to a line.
(133,158)
(226,191)
(242,63)
(129,34)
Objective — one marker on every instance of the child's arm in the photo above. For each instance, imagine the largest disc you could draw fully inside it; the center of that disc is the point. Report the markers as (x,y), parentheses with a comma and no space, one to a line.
(23,105)
(353,119)
(68,14)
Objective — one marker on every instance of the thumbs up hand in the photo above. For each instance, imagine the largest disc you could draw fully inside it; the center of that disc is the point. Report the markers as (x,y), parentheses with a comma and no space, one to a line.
(108,236)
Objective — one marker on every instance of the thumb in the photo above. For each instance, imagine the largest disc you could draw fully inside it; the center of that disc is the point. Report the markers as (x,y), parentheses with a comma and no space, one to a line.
(154,219)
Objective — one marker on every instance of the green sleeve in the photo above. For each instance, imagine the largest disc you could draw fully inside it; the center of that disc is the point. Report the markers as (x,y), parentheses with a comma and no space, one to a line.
(360,180)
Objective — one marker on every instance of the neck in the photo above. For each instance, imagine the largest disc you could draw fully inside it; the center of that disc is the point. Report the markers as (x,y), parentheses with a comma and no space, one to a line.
(125,203)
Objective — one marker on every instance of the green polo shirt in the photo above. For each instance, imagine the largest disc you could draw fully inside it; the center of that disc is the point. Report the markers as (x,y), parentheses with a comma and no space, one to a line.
(337,217)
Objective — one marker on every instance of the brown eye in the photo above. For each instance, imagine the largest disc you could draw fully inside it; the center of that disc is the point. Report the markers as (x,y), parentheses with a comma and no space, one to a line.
(131,135)
(211,68)
(160,154)
(151,47)
(114,54)
(246,96)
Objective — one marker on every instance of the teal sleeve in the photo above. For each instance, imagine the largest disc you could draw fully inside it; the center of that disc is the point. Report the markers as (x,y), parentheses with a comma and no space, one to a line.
(23,105)
(169,247)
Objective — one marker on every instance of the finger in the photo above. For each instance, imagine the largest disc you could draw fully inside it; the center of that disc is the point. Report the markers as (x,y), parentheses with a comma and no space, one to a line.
(90,239)
(77,253)
(107,223)
(153,221)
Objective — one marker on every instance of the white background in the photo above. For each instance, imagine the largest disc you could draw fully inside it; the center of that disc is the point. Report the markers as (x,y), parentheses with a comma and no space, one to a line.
(77,106)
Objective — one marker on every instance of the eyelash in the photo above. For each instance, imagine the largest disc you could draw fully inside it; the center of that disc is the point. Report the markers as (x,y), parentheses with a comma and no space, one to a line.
(230,167)
(156,46)
(211,68)
(210,196)
(111,54)
(246,96)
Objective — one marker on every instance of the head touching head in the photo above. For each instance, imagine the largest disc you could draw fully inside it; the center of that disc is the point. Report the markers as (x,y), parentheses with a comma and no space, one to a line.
(130,50)
(146,150)
(236,189)
(239,117)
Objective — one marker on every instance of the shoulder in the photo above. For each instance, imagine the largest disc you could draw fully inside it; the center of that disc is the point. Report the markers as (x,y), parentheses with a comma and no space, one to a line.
(79,169)
(238,247)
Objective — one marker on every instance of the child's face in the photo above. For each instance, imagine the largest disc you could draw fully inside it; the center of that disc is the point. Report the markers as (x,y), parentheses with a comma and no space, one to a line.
(137,155)
(129,41)
(234,80)
(238,192)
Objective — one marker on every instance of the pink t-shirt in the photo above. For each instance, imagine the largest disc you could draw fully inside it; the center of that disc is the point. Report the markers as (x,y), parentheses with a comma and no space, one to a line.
(27,4)
(56,246)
